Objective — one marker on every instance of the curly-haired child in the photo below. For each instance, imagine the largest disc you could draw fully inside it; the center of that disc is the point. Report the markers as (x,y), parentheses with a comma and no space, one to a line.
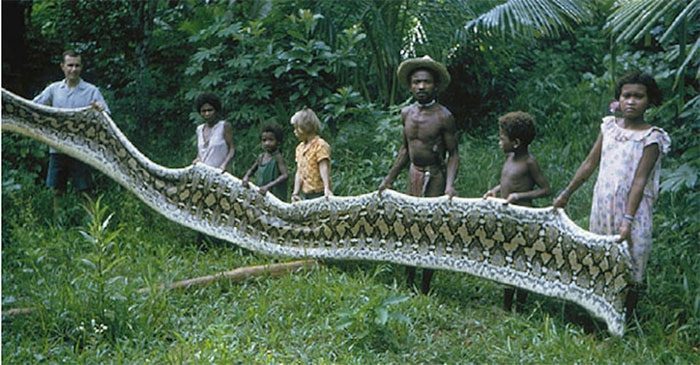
(519,176)
(269,168)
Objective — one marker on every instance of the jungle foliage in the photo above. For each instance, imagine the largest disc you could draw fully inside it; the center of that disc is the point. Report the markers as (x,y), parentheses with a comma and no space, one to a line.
(80,271)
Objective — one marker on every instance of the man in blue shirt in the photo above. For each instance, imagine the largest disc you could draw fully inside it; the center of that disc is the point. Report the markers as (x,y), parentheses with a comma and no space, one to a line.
(71,92)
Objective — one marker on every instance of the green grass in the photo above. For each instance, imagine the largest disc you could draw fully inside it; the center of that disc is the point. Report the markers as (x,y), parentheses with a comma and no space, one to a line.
(338,312)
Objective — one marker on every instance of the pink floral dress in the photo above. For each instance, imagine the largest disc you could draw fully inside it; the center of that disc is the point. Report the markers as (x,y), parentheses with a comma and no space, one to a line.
(621,153)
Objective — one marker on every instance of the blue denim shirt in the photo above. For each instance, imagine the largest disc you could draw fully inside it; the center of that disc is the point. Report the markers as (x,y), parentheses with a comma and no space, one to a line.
(59,95)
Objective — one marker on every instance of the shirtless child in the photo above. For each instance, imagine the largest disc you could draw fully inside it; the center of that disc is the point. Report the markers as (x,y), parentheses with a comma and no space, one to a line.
(519,175)
(428,135)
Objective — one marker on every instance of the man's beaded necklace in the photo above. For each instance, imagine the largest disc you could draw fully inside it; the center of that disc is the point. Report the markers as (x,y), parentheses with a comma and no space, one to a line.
(426,105)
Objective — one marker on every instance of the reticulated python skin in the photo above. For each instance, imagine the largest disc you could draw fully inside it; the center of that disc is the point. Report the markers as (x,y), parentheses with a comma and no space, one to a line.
(540,250)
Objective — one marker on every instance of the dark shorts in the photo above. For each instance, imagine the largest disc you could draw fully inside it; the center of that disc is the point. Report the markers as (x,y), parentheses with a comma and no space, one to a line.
(62,167)
(309,196)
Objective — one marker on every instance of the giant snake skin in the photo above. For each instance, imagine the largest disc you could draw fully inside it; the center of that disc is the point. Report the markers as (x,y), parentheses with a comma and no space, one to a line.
(540,250)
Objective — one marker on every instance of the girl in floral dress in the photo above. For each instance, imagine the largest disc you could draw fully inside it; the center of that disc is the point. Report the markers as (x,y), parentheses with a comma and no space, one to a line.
(629,151)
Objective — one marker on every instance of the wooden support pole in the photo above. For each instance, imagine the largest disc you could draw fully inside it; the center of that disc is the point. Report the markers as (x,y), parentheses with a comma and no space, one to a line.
(16,311)
(239,274)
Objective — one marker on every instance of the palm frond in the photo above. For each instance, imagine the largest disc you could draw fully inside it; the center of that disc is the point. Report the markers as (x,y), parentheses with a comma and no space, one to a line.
(629,14)
(632,19)
(531,18)
(688,59)
(689,12)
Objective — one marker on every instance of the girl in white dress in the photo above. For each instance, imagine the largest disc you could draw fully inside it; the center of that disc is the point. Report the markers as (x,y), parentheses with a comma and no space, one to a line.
(215,136)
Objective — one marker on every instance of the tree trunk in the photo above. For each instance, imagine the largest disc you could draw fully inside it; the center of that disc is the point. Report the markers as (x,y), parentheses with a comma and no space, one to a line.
(14,19)
(144,12)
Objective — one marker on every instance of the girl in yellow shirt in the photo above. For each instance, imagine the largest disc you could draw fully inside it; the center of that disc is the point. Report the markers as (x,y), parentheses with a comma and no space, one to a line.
(313,157)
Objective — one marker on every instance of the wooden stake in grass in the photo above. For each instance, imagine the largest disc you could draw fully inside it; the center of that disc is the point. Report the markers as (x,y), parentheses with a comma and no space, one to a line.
(239,274)
(15,312)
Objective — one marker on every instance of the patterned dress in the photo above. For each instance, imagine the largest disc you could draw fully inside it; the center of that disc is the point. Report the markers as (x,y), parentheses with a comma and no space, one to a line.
(621,153)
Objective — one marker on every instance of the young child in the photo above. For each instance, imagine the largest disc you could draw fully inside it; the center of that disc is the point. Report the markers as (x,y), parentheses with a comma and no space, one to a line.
(215,136)
(519,175)
(628,150)
(313,158)
(269,169)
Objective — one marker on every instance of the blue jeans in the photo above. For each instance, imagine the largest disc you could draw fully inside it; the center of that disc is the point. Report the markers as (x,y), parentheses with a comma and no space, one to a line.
(62,167)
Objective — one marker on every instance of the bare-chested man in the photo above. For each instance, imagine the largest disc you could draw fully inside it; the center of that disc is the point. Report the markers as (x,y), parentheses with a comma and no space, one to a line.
(519,176)
(429,133)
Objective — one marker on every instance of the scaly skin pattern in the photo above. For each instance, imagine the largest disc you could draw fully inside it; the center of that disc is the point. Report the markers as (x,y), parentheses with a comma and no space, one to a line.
(540,250)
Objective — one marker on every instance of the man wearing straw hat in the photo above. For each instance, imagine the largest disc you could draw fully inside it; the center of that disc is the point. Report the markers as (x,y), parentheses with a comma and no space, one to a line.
(429,133)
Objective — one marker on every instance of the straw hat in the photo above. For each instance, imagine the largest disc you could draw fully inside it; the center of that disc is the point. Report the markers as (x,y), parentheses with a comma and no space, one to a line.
(407,67)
